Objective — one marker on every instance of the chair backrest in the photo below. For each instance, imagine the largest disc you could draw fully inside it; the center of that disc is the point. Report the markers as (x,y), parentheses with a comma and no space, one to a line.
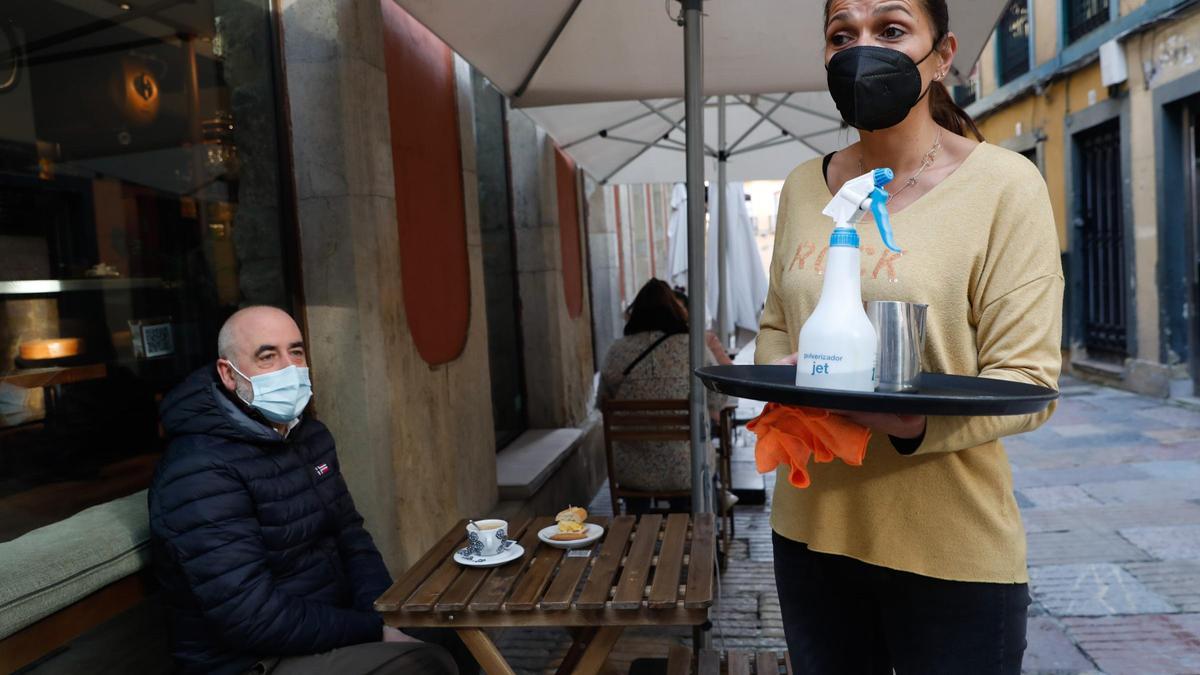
(649,420)
(633,420)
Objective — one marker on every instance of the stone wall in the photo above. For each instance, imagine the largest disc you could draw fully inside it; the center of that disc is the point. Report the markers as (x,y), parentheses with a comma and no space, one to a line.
(415,442)
(628,233)
(558,349)
(1156,57)
(604,268)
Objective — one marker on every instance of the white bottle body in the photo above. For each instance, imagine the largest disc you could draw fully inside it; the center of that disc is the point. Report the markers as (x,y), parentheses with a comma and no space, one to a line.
(838,345)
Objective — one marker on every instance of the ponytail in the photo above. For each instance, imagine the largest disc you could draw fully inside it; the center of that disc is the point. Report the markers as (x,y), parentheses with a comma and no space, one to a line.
(948,114)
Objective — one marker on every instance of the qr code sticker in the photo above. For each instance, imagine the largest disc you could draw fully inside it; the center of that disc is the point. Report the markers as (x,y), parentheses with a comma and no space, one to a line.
(157,340)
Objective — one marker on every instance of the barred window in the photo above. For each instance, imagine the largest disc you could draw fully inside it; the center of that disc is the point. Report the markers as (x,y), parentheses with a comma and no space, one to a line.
(1012,41)
(1084,16)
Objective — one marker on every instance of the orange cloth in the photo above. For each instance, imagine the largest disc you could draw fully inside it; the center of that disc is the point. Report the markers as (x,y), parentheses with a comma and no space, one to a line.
(791,435)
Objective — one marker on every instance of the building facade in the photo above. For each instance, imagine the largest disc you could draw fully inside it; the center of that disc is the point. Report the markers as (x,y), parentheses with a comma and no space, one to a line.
(1101,95)
(162,166)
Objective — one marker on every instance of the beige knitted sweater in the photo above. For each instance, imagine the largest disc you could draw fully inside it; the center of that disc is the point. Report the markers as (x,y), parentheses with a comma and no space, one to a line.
(981,250)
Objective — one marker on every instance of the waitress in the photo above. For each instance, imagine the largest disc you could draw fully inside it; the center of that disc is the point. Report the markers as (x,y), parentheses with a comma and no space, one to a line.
(916,559)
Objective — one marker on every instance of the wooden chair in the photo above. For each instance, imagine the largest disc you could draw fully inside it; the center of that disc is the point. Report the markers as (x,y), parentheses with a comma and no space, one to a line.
(661,420)
(711,662)
(725,457)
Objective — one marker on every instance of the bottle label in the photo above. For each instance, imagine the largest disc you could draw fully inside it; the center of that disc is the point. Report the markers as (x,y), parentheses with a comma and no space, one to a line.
(819,363)
(829,371)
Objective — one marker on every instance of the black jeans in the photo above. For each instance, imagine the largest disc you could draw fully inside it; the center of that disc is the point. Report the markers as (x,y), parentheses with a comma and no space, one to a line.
(844,616)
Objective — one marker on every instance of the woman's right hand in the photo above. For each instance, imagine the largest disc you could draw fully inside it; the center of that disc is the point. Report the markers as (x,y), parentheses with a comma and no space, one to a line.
(900,426)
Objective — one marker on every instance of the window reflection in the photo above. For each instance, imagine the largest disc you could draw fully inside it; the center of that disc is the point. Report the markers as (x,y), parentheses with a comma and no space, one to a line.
(1084,16)
(139,206)
(1013,41)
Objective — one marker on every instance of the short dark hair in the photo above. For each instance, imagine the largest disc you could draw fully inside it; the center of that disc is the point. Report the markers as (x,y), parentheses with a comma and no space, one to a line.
(656,309)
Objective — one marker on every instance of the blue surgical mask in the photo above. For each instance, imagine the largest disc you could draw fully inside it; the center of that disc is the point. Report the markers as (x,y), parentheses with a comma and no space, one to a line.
(280,395)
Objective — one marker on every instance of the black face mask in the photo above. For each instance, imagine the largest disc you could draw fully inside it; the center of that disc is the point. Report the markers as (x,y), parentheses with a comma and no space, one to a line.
(874,87)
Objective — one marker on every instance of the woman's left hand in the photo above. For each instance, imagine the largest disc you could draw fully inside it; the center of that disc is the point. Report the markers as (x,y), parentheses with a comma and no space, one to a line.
(717,349)
(900,426)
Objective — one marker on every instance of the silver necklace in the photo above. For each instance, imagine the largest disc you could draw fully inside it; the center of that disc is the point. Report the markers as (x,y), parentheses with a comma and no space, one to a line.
(926,162)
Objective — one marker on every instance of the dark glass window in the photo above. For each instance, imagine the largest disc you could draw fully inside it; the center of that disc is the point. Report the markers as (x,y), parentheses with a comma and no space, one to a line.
(1031,155)
(1084,16)
(140,205)
(1012,41)
(499,264)
(1191,352)
(964,94)
(1101,232)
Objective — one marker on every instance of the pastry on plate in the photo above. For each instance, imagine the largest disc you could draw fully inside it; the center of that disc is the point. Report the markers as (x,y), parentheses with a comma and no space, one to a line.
(571,525)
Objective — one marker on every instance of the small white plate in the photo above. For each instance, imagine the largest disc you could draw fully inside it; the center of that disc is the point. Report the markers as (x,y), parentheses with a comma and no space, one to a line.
(594,532)
(463,557)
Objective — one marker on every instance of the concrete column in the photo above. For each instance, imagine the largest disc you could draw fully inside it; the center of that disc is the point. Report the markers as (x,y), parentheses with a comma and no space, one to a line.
(415,442)
(1145,186)
(607,322)
(558,349)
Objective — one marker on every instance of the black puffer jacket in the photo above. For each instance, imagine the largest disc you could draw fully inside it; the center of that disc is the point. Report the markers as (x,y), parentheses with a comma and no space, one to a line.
(255,539)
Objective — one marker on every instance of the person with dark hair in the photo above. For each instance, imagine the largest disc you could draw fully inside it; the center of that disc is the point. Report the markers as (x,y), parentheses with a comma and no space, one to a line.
(680,295)
(914,562)
(651,363)
(655,308)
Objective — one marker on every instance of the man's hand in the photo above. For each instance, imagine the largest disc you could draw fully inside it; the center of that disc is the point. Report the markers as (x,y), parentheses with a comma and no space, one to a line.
(789,360)
(396,635)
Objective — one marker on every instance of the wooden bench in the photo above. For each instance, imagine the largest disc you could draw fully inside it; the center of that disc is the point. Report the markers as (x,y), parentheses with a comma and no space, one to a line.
(63,579)
(736,662)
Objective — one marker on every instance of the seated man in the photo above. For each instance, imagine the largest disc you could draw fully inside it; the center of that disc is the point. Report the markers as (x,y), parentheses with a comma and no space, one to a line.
(262,557)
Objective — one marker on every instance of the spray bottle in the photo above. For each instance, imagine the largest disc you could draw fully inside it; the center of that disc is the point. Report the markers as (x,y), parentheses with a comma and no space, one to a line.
(838,346)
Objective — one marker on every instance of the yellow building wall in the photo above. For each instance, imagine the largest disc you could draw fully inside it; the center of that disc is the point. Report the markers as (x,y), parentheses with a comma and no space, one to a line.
(987,67)
(1045,113)
(1170,52)
(1155,57)
(1045,43)
(1128,6)
(1045,30)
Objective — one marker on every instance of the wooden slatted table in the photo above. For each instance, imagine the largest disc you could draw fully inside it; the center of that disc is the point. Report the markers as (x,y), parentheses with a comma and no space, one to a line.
(644,571)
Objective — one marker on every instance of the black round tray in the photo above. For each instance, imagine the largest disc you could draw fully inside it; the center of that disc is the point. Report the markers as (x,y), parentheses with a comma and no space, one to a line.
(939,394)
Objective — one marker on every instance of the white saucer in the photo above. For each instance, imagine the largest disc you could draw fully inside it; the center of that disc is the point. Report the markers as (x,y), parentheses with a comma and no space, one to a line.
(505,556)
(594,532)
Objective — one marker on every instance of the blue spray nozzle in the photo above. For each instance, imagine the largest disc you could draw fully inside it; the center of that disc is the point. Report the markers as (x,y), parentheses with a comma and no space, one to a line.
(879,199)
(850,204)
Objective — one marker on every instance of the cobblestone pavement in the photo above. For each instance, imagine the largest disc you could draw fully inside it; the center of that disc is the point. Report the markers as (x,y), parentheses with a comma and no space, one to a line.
(1110,493)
